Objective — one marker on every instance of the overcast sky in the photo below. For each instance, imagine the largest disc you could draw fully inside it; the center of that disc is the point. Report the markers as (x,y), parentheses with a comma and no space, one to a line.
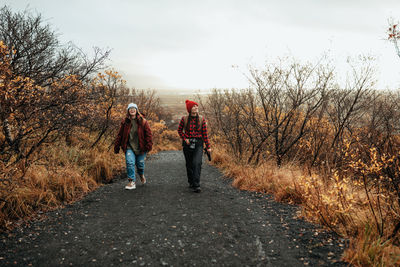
(187,44)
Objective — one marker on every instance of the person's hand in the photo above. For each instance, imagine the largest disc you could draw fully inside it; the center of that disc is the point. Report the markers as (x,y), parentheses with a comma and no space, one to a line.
(209,150)
(187,141)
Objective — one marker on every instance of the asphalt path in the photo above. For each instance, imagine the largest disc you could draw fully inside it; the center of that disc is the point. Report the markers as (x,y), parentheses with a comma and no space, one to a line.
(164,223)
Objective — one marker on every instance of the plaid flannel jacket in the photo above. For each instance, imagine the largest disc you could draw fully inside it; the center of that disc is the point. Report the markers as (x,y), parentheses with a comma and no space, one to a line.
(193,131)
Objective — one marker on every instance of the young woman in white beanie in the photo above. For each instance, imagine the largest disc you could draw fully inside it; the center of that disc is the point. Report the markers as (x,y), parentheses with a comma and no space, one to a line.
(135,139)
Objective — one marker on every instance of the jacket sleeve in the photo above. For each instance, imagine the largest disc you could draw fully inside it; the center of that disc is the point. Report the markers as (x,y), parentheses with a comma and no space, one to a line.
(205,134)
(148,136)
(117,142)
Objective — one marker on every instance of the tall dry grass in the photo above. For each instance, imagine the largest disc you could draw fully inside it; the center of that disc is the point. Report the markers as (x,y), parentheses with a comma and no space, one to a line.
(60,174)
(369,249)
(338,202)
(265,177)
(65,172)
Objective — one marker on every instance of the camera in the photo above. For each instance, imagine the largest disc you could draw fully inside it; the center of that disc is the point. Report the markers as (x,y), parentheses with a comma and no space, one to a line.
(192,143)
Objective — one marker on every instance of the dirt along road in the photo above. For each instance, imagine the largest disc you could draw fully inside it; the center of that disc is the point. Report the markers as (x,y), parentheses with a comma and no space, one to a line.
(163,223)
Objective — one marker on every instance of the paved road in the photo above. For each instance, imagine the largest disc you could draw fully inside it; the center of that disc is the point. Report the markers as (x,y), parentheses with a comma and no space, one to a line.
(165,224)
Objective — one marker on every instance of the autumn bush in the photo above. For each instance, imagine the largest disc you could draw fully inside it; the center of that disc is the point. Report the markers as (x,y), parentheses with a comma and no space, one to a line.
(164,138)
(59,114)
(296,133)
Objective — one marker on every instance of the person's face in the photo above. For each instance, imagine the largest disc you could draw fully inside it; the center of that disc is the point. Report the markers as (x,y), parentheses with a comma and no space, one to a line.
(132,111)
(195,109)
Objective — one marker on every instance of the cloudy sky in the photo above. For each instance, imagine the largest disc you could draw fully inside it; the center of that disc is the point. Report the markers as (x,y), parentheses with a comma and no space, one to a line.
(203,44)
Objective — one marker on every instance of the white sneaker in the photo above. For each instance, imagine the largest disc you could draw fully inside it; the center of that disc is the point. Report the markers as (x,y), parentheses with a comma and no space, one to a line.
(130,186)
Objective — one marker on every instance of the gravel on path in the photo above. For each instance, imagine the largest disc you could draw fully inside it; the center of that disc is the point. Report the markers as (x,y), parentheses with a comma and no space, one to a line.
(163,223)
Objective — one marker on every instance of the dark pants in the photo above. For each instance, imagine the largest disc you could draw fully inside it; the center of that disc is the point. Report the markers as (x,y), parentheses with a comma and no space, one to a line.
(194,159)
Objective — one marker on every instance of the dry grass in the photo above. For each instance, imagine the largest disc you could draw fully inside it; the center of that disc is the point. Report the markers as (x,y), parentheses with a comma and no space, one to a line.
(336,202)
(265,177)
(64,172)
(163,138)
(369,249)
(42,190)
(60,175)
(68,172)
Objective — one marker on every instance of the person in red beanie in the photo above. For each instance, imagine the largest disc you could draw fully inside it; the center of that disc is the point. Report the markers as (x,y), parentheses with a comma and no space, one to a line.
(193,131)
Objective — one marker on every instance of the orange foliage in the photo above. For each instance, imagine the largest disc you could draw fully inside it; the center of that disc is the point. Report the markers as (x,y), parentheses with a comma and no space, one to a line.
(163,138)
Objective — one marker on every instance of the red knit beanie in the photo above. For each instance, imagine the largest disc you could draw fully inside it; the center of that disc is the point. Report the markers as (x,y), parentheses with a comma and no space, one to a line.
(189,105)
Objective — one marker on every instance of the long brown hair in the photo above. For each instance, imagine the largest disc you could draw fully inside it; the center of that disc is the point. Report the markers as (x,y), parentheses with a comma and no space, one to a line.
(198,122)
(139,116)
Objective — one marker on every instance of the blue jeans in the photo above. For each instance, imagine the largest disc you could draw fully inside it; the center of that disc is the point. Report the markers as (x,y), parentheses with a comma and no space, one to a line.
(131,160)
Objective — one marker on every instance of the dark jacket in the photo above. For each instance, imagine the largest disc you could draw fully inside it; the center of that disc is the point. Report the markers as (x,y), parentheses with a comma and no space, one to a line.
(144,134)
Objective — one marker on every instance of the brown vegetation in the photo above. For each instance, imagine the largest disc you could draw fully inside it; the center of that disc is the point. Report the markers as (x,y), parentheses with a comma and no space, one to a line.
(299,135)
(295,132)
(58,119)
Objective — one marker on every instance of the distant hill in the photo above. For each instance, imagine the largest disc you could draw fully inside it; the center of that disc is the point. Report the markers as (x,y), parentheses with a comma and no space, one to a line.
(174,100)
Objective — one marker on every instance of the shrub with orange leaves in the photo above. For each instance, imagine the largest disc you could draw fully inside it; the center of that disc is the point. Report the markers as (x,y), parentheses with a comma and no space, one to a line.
(340,161)
(32,115)
(57,121)
(163,138)
(105,90)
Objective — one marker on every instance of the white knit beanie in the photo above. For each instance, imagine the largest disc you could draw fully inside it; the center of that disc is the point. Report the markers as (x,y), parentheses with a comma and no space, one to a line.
(132,105)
